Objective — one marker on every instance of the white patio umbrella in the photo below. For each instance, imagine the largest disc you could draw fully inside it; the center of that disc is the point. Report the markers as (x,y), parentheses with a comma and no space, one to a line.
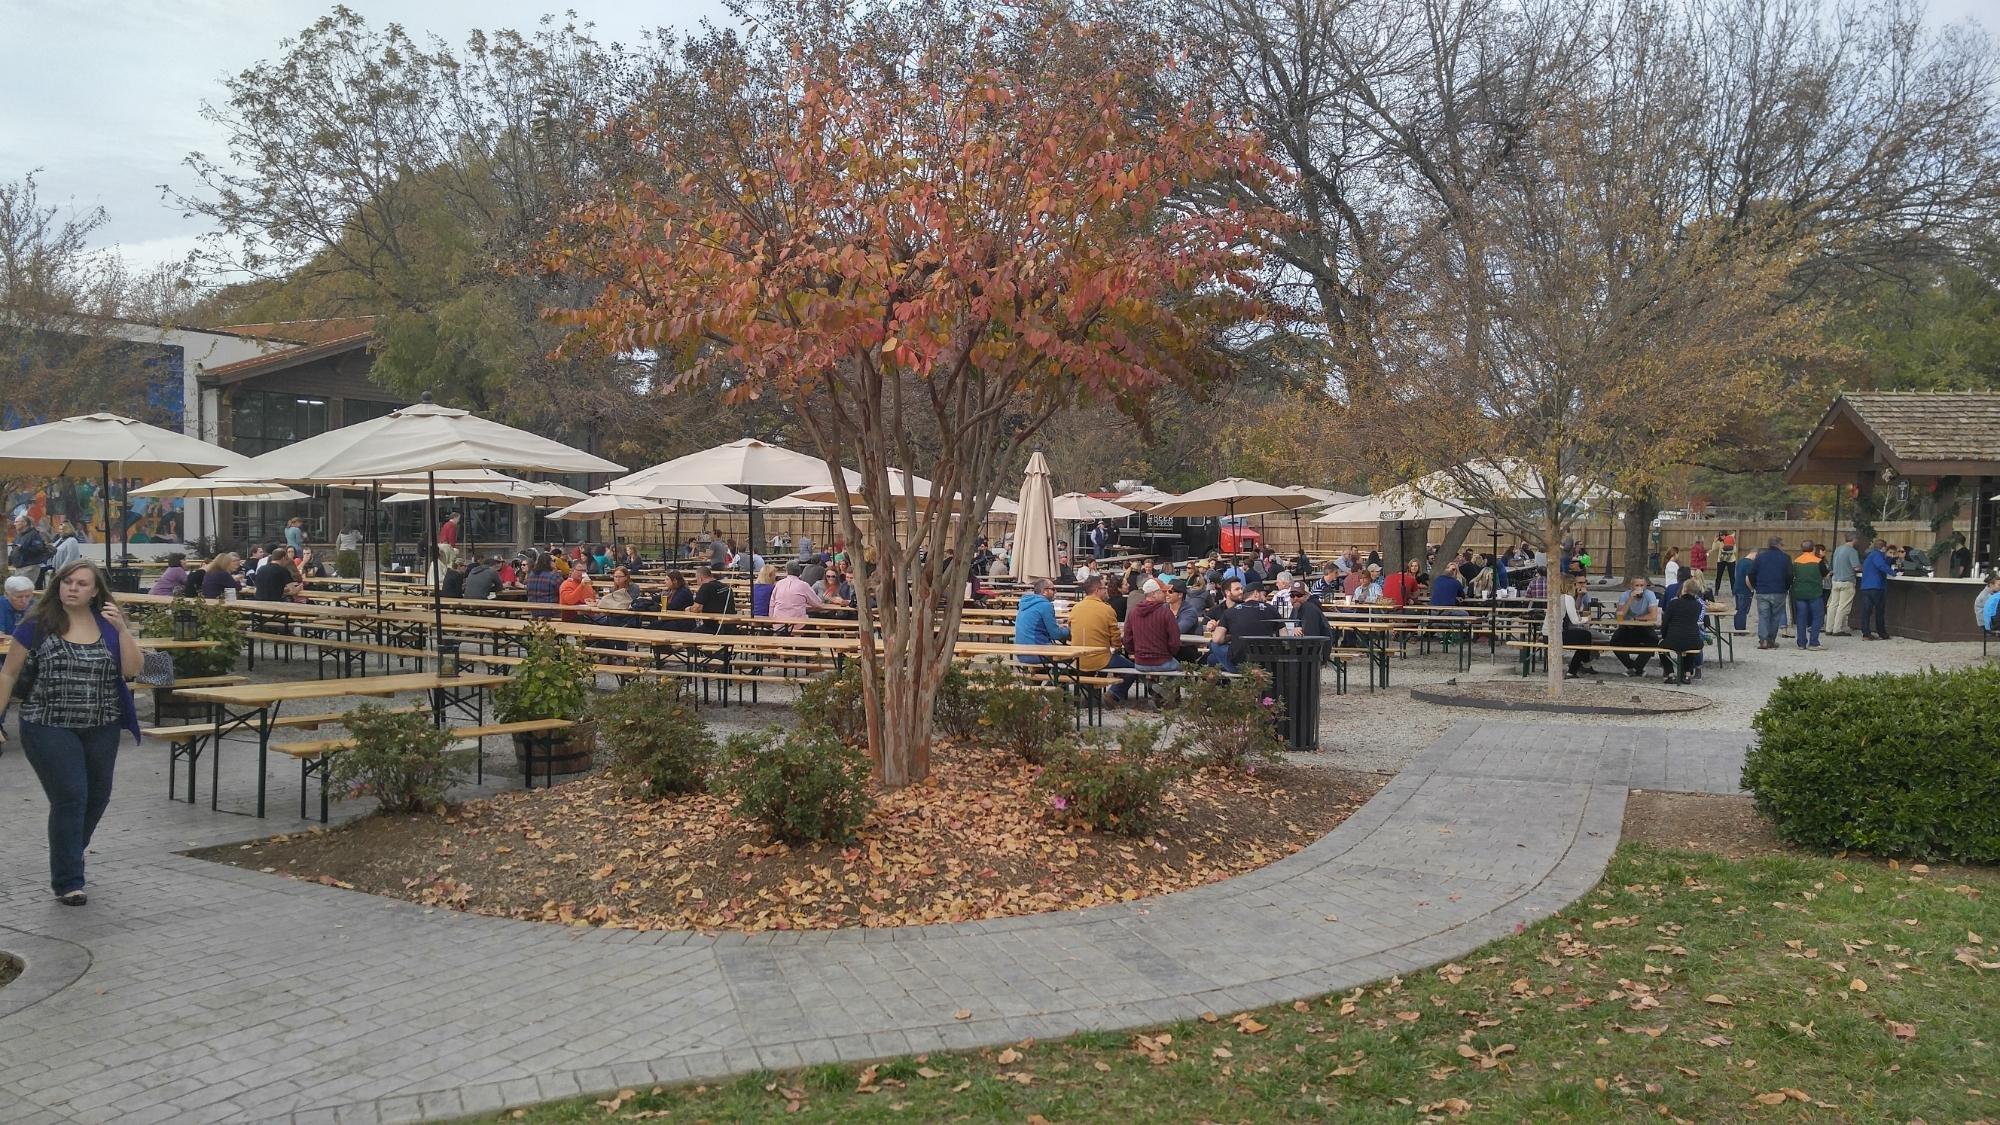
(422,440)
(1140,499)
(1396,508)
(1035,534)
(745,464)
(1324,496)
(1078,506)
(246,492)
(91,443)
(1235,496)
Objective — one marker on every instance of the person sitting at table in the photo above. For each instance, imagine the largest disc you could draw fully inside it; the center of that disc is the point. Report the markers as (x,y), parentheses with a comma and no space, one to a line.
(1251,616)
(835,588)
(1152,634)
(793,598)
(1638,620)
(711,596)
(14,608)
(308,564)
(218,578)
(171,580)
(1368,590)
(577,590)
(619,598)
(1093,622)
(602,562)
(760,590)
(275,581)
(1538,586)
(482,579)
(1681,630)
(453,585)
(1035,619)
(1446,591)
(1307,611)
(1576,628)
(543,585)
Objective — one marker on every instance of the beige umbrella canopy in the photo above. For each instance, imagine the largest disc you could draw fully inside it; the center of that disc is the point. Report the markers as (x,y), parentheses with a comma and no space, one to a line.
(1234,496)
(247,491)
(1076,506)
(421,440)
(1035,534)
(1325,496)
(1396,507)
(90,444)
(605,504)
(1144,498)
(743,463)
(505,490)
(696,497)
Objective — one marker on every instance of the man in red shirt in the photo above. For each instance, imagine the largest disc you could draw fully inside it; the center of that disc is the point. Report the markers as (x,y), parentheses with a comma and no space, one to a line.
(1400,589)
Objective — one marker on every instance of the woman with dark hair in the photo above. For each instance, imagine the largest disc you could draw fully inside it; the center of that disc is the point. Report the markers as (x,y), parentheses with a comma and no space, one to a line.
(543,584)
(173,579)
(77,651)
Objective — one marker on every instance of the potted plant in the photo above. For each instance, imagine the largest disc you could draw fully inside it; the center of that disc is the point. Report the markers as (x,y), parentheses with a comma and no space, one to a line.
(553,681)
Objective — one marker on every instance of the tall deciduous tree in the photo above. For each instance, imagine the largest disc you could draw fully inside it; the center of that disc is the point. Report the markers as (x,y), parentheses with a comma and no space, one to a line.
(896,217)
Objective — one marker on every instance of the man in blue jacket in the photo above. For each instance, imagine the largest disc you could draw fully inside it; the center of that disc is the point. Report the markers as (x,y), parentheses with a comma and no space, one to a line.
(1771,579)
(1875,572)
(1035,619)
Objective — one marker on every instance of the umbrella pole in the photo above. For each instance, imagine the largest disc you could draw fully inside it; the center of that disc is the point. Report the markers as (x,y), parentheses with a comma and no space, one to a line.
(105,503)
(1493,615)
(437,583)
(375,539)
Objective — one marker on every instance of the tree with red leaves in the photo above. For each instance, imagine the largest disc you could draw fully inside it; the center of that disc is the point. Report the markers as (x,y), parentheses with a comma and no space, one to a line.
(921,217)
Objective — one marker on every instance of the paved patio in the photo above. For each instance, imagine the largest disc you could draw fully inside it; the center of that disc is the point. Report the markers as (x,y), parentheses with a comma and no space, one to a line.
(188,990)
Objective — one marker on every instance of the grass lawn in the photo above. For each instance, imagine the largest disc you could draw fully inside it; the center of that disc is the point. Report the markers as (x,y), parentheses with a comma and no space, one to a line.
(1687,987)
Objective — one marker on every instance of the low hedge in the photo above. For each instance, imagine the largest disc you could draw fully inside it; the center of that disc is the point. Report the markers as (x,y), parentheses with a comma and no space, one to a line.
(1887,764)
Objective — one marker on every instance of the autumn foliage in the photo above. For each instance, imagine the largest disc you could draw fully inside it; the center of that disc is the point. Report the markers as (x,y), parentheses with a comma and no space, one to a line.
(910,219)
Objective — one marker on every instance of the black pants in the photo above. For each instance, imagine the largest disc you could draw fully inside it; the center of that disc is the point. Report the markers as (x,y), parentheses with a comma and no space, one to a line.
(1637,636)
(1874,613)
(1578,635)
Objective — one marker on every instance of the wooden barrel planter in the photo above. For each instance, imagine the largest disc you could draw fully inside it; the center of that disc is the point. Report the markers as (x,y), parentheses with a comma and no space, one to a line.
(574,751)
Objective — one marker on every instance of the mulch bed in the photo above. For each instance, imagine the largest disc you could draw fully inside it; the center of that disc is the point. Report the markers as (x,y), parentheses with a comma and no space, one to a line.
(1610,694)
(9,969)
(974,841)
(1732,827)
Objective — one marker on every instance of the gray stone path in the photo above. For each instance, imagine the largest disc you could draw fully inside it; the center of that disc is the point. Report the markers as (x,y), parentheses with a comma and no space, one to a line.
(191,991)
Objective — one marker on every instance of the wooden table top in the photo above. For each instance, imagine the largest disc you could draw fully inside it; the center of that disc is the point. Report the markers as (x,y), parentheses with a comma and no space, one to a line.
(263,695)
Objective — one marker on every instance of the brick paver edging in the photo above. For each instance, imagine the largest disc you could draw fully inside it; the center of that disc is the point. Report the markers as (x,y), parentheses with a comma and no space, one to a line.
(219,994)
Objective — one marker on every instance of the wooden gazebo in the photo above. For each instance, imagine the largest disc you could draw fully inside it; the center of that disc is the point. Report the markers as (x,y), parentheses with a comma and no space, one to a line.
(1871,438)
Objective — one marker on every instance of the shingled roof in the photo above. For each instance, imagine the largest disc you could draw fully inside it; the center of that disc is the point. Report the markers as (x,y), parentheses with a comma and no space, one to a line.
(1917,433)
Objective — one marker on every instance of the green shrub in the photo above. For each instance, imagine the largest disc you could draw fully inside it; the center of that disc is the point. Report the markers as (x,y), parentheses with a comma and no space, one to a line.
(553,680)
(1889,765)
(805,784)
(213,622)
(399,757)
(834,701)
(1228,721)
(958,705)
(1022,716)
(1113,783)
(656,738)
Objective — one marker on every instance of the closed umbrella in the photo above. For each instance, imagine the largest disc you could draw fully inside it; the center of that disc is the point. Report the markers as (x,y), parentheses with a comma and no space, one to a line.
(1035,533)
(92,443)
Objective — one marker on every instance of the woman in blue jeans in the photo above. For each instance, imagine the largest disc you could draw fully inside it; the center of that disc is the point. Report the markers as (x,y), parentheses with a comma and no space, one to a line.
(77,652)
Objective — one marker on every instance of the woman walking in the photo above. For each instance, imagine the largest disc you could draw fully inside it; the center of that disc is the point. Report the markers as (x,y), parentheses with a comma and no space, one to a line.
(78,652)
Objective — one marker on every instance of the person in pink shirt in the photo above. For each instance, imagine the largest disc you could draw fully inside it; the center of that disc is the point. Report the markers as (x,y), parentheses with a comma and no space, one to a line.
(793,597)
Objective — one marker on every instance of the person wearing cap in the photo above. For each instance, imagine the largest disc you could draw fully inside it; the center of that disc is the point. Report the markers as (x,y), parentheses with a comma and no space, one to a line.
(1307,612)
(1152,632)
(20,595)
(1251,616)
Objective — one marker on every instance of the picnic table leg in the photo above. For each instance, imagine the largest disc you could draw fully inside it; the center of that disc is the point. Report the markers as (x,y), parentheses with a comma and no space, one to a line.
(264,717)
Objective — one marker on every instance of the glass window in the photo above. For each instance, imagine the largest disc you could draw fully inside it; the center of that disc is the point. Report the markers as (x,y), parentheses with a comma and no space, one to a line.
(261,421)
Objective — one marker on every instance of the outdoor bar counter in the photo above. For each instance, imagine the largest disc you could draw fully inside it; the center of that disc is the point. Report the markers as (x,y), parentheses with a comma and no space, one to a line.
(1933,609)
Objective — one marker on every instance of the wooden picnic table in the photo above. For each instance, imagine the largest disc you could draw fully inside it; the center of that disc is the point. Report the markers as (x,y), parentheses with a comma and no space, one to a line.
(254,706)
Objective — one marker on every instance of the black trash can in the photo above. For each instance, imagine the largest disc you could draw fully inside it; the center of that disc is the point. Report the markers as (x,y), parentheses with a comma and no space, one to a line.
(125,580)
(1293,663)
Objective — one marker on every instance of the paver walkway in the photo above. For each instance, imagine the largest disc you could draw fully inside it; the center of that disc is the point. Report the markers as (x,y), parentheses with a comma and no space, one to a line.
(192,991)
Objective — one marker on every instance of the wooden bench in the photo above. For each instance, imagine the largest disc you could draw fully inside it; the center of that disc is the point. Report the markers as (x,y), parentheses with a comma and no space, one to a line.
(186,742)
(315,756)
(1674,660)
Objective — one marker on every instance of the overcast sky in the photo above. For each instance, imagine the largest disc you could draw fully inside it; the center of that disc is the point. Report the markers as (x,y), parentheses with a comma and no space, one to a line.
(104,97)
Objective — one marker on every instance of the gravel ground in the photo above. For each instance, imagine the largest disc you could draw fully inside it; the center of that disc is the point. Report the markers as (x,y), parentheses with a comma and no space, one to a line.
(1382,730)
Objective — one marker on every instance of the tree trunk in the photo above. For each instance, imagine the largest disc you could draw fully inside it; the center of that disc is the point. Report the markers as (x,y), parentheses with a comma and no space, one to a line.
(1552,617)
(1639,535)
